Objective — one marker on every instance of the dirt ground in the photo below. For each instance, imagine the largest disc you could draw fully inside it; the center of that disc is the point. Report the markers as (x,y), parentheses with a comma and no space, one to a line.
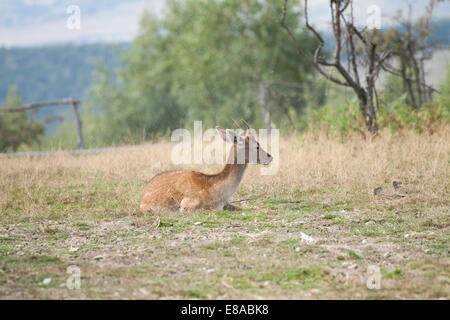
(315,230)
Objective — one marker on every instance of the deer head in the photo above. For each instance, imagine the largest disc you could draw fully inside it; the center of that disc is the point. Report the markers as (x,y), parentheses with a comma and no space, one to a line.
(246,150)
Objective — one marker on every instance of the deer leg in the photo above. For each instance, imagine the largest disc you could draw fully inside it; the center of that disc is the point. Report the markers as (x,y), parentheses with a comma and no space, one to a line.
(231,207)
(189,204)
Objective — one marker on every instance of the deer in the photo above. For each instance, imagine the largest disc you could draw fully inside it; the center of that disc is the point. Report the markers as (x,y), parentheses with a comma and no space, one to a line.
(187,190)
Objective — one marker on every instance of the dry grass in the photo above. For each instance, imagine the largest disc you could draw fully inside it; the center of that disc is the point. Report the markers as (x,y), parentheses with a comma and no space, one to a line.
(324,188)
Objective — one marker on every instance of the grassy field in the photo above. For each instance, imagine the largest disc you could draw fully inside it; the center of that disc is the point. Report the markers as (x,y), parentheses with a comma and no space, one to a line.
(62,210)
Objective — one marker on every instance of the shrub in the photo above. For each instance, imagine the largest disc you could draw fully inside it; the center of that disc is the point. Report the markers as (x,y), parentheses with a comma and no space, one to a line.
(393,113)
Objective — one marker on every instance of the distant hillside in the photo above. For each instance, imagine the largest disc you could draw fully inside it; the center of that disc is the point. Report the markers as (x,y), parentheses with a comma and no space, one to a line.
(442,32)
(53,72)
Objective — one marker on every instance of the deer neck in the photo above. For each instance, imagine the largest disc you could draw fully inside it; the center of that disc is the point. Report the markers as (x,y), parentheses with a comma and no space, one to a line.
(228,180)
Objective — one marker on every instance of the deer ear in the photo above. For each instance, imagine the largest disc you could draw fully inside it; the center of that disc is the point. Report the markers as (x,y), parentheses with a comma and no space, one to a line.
(227,134)
(222,132)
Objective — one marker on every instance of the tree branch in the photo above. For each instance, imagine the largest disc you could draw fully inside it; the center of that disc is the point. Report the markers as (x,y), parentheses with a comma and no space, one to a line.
(40,104)
(316,61)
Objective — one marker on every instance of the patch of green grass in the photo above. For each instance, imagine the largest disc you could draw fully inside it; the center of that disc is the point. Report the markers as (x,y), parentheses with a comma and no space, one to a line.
(228,253)
(242,284)
(269,225)
(61,235)
(353,255)
(397,273)
(28,262)
(52,231)
(238,240)
(431,224)
(250,216)
(287,275)
(199,293)
(253,251)
(4,250)
(290,242)
(82,225)
(214,245)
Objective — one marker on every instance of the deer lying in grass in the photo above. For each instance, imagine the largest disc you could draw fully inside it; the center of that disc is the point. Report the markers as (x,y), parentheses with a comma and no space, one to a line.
(190,190)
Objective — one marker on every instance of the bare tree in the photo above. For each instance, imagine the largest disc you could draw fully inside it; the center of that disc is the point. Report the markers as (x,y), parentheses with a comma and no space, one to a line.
(364,57)
(263,106)
(412,48)
(283,97)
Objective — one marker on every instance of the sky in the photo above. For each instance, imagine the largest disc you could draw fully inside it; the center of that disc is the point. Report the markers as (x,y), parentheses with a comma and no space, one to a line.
(27,23)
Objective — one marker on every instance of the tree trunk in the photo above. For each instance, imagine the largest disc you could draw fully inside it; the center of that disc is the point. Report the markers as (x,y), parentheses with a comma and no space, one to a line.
(263,105)
(427,93)
(371,119)
(417,79)
(78,125)
(411,100)
(366,105)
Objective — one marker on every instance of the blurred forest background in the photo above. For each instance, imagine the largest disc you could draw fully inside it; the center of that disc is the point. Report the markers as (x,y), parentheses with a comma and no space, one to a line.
(212,60)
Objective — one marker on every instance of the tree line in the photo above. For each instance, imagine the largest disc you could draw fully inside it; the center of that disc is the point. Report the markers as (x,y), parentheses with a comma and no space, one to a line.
(259,60)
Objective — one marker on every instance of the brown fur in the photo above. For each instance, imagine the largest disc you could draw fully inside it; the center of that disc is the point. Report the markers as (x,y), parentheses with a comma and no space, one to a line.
(190,190)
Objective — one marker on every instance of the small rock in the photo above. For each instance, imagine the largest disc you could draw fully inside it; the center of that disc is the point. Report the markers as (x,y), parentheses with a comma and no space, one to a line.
(315,291)
(73,249)
(368,223)
(143,291)
(353,266)
(364,241)
(298,249)
(377,190)
(198,223)
(98,257)
(47,281)
(387,255)
(119,239)
(306,238)
(396,184)
(343,211)
(209,270)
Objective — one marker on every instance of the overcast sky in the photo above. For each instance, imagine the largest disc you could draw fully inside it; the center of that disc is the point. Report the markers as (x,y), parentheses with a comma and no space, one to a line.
(40,22)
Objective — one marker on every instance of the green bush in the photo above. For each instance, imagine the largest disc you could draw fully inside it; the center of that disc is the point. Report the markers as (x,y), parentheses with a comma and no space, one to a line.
(398,115)
(344,119)
(17,129)
(336,120)
(444,95)
(393,112)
